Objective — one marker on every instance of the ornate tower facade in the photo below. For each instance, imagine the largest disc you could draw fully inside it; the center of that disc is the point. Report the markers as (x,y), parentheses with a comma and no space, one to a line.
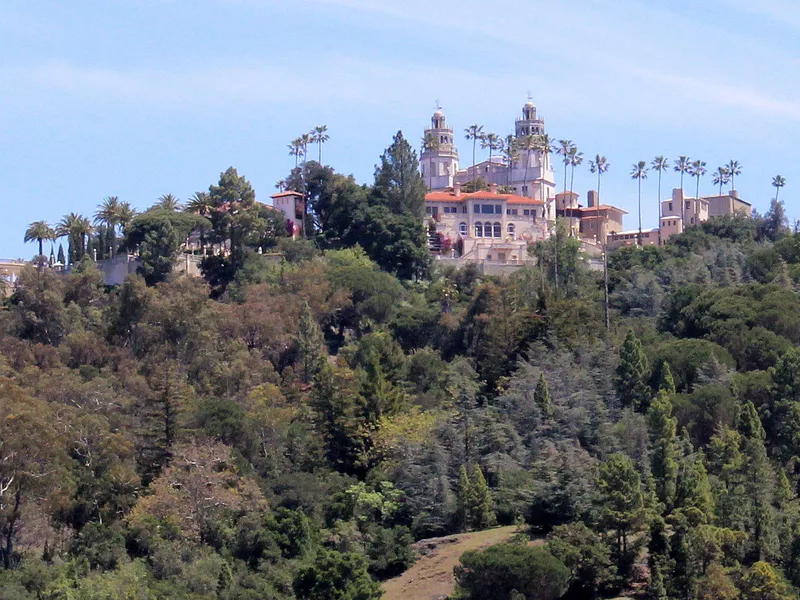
(439,158)
(532,174)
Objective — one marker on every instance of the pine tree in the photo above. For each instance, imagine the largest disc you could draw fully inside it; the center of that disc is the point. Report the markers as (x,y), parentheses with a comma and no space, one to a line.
(464,499)
(310,345)
(666,382)
(481,512)
(763,582)
(759,483)
(60,258)
(694,497)
(632,374)
(398,182)
(656,590)
(541,396)
(664,456)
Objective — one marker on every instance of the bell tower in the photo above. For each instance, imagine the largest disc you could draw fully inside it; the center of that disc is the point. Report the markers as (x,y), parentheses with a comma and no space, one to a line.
(533,174)
(439,157)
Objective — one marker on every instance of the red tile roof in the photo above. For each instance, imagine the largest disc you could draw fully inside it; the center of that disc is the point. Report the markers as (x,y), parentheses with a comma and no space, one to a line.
(480,195)
(288,193)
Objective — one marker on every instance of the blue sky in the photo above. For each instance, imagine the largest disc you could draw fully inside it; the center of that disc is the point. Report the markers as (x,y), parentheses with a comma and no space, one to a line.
(137,98)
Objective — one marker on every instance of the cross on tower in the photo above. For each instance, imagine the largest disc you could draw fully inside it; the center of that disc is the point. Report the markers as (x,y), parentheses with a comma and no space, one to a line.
(438,106)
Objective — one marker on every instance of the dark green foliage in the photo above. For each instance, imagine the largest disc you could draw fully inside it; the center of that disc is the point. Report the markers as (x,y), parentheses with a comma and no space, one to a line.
(588,557)
(398,183)
(633,374)
(494,573)
(336,576)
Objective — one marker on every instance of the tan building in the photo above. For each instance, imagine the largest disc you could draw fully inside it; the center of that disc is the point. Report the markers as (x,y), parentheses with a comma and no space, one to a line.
(630,238)
(291,204)
(485,225)
(592,223)
(681,211)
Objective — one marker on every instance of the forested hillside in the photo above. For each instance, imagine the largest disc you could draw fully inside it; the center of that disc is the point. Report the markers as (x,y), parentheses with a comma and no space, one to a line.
(288,428)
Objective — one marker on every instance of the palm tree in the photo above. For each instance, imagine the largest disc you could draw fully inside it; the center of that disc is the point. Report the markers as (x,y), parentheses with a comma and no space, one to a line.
(107,213)
(168,202)
(697,170)
(280,184)
(660,164)
(319,136)
(545,145)
(200,203)
(599,165)
(305,140)
(735,169)
(474,133)
(492,142)
(38,231)
(527,143)
(564,149)
(430,143)
(575,160)
(639,172)
(682,166)
(777,182)
(76,228)
(126,215)
(296,150)
(510,152)
(721,177)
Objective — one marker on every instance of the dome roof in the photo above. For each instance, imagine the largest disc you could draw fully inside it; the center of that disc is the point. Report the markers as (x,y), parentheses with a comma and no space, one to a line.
(438,113)
(530,104)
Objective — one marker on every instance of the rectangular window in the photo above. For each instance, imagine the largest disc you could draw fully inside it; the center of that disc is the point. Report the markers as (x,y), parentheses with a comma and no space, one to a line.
(476,208)
(498,210)
(688,204)
(487,209)
(427,210)
(464,208)
(526,212)
(670,205)
(512,211)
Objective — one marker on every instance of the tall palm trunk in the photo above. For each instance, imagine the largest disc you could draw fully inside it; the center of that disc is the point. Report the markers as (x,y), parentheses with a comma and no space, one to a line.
(640,212)
(474,170)
(41,251)
(659,207)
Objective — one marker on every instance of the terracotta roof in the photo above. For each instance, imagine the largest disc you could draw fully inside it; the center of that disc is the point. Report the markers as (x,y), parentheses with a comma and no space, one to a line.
(602,207)
(481,195)
(284,194)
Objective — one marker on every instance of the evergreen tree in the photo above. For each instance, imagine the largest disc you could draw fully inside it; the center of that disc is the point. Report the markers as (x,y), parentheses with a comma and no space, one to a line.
(665,453)
(666,382)
(694,497)
(541,396)
(60,258)
(781,416)
(481,512)
(632,374)
(725,465)
(656,589)
(623,506)
(464,499)
(763,582)
(759,483)
(398,182)
(312,355)
(716,584)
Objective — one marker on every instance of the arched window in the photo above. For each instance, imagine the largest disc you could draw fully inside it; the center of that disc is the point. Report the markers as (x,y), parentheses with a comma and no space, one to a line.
(478,229)
(462,229)
(487,230)
(498,230)
(511,231)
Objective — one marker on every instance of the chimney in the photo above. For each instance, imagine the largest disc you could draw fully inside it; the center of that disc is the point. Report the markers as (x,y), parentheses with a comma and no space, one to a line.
(735,194)
(492,188)
(592,199)
(457,189)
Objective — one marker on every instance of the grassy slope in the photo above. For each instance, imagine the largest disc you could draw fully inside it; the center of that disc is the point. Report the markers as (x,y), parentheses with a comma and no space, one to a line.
(431,577)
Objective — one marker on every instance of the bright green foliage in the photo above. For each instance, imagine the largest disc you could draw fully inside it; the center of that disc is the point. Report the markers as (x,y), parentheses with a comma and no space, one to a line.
(493,574)
(666,382)
(336,576)
(693,491)
(475,506)
(783,417)
(762,582)
(656,589)
(664,449)
(541,395)
(633,372)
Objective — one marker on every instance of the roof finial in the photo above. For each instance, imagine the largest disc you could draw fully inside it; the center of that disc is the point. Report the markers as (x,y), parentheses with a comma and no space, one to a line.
(530,96)
(438,105)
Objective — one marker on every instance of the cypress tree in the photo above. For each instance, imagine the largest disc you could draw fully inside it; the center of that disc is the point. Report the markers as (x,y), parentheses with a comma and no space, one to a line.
(541,396)
(464,499)
(664,461)
(61,258)
(632,374)
(666,382)
(481,511)
(310,345)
